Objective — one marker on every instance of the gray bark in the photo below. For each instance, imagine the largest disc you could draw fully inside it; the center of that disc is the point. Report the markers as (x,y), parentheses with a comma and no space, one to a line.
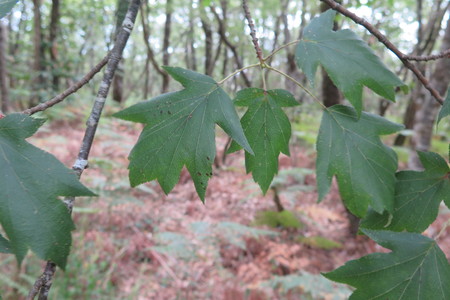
(4,85)
(428,107)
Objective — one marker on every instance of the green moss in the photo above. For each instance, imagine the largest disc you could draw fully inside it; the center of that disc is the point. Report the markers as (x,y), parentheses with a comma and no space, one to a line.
(320,242)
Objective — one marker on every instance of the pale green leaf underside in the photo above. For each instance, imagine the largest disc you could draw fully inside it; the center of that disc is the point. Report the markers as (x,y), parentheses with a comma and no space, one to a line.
(416,269)
(31,181)
(267,129)
(6,6)
(417,197)
(445,109)
(180,130)
(350,148)
(348,60)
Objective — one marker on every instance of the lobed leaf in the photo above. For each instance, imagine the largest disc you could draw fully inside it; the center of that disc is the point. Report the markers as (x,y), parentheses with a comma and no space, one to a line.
(267,129)
(31,214)
(415,269)
(350,148)
(348,60)
(417,197)
(445,109)
(179,130)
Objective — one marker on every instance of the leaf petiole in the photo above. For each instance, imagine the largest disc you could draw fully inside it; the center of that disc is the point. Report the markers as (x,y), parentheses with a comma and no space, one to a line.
(237,71)
(280,48)
(297,83)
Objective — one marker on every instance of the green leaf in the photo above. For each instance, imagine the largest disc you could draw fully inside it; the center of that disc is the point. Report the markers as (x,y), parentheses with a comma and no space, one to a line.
(179,130)
(348,60)
(445,109)
(267,129)
(5,247)
(415,269)
(31,181)
(417,197)
(6,6)
(350,148)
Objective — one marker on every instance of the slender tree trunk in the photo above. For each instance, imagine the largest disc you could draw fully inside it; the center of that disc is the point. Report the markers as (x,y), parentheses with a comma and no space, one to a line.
(208,43)
(38,65)
(426,113)
(228,43)
(330,93)
(54,30)
(191,56)
(4,87)
(426,40)
(117,92)
(166,44)
(150,53)
(118,81)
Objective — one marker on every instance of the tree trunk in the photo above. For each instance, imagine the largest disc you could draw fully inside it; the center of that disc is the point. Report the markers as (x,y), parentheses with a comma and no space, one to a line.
(150,53)
(208,44)
(428,106)
(228,43)
(54,30)
(4,88)
(118,81)
(426,39)
(166,44)
(38,65)
(117,92)
(330,93)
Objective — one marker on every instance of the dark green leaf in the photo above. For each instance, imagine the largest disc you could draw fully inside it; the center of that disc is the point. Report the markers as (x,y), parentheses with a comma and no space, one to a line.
(6,6)
(417,197)
(5,247)
(30,212)
(267,129)
(445,109)
(350,148)
(349,62)
(415,269)
(179,131)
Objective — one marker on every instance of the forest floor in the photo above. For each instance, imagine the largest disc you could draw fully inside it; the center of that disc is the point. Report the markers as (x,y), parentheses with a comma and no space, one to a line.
(141,244)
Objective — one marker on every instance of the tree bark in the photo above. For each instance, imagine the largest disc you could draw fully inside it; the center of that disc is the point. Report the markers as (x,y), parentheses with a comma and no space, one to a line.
(4,86)
(426,40)
(208,43)
(330,93)
(166,44)
(191,56)
(38,65)
(54,30)
(428,107)
(150,53)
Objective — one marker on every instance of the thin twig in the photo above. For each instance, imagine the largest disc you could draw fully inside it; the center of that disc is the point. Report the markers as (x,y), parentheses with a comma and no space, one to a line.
(388,44)
(444,54)
(72,89)
(44,282)
(251,25)
(280,48)
(236,72)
